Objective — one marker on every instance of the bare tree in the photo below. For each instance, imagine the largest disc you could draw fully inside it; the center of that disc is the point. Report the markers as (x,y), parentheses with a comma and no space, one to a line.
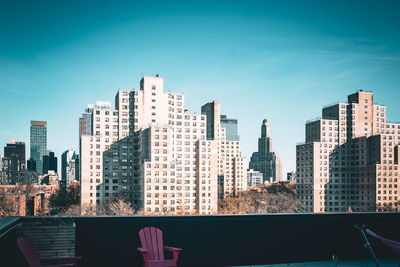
(12,200)
(64,199)
(117,206)
(263,199)
(73,210)
(9,206)
(88,210)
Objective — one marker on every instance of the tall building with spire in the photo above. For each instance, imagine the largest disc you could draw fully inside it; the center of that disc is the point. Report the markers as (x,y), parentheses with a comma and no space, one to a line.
(265,160)
(349,160)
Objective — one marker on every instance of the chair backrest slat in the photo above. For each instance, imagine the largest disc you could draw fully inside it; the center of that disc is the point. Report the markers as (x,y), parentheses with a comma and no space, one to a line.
(152,240)
(160,243)
(154,243)
(28,252)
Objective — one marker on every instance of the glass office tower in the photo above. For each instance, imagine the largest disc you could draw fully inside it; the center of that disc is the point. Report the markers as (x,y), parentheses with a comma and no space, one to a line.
(38,143)
(231,126)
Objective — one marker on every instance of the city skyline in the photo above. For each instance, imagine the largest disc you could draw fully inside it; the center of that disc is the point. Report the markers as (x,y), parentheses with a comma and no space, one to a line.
(273,60)
(246,152)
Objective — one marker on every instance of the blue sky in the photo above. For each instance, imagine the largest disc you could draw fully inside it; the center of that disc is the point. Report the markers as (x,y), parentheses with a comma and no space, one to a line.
(281,60)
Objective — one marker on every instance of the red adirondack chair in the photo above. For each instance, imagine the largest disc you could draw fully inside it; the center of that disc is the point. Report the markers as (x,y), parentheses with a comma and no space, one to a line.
(153,249)
(34,261)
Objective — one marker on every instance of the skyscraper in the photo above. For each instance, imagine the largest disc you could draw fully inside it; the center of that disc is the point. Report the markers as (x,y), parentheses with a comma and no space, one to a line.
(49,163)
(85,122)
(31,164)
(38,143)
(15,151)
(349,160)
(232,168)
(265,160)
(69,167)
(5,163)
(231,128)
(152,151)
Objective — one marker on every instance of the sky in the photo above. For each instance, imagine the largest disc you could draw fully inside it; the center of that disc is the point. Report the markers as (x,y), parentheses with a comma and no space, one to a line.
(280,60)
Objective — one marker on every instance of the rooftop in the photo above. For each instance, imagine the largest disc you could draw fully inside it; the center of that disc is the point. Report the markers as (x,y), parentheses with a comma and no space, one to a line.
(38,123)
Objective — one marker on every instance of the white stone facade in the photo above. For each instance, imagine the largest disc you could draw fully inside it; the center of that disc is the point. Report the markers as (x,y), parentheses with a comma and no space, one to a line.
(232,168)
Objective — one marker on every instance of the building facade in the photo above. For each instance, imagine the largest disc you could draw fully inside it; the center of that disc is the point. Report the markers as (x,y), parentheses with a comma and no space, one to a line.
(38,142)
(291,177)
(265,160)
(150,150)
(4,164)
(231,128)
(254,178)
(27,201)
(49,163)
(31,164)
(69,167)
(232,168)
(85,121)
(15,152)
(349,160)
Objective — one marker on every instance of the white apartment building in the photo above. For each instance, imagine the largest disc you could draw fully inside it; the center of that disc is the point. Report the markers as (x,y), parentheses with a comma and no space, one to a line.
(104,133)
(349,160)
(232,168)
(152,151)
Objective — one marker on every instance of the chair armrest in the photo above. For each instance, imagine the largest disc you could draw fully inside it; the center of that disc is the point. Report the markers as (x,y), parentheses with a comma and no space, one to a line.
(175,252)
(172,249)
(144,253)
(142,250)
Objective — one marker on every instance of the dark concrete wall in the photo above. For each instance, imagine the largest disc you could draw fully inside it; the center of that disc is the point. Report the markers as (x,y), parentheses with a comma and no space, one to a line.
(8,245)
(221,240)
(235,240)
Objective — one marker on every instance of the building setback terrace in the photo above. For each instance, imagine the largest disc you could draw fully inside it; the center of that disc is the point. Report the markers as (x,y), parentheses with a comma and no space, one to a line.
(232,240)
